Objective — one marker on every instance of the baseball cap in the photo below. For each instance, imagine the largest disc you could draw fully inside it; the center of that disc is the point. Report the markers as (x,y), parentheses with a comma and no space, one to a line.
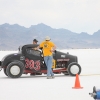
(35,40)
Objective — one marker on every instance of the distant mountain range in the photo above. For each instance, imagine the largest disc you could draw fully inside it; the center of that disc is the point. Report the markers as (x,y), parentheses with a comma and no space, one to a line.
(12,36)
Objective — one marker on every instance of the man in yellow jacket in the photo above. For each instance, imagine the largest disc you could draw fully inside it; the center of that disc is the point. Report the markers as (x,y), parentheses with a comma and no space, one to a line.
(48,47)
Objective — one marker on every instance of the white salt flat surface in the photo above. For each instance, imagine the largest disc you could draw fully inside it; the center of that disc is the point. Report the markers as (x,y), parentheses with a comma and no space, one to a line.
(39,88)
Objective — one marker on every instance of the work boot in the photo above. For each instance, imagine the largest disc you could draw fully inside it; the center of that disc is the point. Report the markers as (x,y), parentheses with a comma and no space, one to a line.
(49,77)
(52,76)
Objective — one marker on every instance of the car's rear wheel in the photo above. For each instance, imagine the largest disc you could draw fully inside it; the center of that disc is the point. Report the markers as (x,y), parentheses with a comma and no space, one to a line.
(74,68)
(15,69)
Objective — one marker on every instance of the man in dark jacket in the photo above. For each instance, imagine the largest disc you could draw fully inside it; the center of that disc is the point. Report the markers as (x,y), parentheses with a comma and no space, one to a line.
(35,41)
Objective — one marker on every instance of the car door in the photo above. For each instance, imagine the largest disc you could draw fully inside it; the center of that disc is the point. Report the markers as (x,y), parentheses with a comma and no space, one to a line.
(33,60)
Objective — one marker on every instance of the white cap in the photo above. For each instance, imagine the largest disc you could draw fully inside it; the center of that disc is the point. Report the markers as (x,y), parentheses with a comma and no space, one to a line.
(47,38)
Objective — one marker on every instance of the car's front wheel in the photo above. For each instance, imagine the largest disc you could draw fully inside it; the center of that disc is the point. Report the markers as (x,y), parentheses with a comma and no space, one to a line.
(15,69)
(74,68)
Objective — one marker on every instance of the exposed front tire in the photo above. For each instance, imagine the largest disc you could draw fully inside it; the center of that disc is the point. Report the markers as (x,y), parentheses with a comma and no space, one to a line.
(15,69)
(74,68)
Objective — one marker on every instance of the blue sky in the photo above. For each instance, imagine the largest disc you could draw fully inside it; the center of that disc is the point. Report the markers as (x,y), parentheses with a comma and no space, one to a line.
(74,15)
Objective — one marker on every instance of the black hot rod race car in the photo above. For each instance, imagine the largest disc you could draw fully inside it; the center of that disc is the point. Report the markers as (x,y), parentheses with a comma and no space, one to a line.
(28,60)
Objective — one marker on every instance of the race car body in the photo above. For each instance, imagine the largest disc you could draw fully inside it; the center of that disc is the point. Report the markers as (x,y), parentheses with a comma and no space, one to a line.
(28,60)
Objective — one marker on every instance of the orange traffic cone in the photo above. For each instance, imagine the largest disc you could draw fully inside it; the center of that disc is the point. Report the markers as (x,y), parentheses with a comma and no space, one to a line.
(77,83)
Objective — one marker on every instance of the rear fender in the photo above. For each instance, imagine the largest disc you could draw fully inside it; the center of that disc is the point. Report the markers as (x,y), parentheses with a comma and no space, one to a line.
(19,62)
(13,61)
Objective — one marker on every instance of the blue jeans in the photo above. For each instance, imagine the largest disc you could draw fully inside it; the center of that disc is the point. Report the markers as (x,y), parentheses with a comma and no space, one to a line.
(48,62)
